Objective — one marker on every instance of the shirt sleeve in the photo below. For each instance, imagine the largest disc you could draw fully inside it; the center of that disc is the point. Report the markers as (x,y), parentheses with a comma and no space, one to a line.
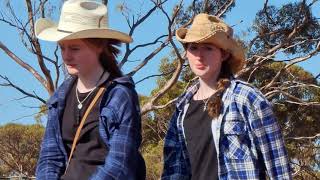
(174,162)
(122,129)
(269,140)
(51,162)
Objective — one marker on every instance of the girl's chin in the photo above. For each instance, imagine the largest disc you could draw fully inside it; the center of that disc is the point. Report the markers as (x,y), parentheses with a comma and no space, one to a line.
(203,75)
(200,73)
(73,72)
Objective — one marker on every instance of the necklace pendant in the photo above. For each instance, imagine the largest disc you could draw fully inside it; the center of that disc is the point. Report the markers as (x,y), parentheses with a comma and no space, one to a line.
(79,105)
(204,107)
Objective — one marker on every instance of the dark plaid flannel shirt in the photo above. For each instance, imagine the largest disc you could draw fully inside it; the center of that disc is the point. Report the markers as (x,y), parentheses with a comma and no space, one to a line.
(250,144)
(119,127)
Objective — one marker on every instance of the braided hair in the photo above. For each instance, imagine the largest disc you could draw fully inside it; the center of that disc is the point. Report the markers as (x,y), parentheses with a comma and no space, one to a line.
(215,101)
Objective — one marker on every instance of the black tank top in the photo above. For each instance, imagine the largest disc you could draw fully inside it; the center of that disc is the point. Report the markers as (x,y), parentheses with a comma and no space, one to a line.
(200,143)
(90,151)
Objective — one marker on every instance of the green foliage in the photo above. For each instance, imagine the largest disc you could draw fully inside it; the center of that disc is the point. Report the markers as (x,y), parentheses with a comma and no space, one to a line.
(19,148)
(42,112)
(154,160)
(155,123)
(275,25)
(212,7)
(162,116)
(296,120)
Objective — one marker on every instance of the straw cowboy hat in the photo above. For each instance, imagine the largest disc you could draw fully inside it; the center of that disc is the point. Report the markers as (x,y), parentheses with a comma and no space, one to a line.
(79,19)
(211,29)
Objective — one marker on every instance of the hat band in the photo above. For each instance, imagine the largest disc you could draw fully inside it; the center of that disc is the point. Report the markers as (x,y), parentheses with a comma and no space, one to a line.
(73,22)
(98,26)
(60,30)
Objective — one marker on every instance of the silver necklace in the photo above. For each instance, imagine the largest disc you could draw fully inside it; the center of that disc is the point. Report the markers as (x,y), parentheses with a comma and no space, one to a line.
(80,102)
(205,101)
(91,91)
(205,104)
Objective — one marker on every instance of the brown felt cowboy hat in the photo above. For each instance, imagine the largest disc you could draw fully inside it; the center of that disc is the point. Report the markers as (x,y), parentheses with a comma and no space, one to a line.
(79,19)
(211,29)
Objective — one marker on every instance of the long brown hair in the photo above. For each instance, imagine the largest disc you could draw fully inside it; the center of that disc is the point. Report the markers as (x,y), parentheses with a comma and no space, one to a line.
(215,101)
(108,55)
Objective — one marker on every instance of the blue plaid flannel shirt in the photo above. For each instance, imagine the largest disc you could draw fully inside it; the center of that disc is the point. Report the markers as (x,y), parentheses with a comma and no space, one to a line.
(247,138)
(119,127)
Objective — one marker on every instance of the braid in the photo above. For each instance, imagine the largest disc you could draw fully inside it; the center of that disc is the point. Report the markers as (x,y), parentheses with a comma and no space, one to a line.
(215,100)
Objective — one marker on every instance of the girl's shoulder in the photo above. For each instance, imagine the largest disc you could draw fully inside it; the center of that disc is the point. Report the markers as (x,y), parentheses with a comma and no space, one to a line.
(120,91)
(245,92)
(123,86)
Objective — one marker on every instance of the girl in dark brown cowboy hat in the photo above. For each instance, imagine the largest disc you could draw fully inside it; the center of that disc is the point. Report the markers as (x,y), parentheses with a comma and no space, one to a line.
(94,126)
(222,128)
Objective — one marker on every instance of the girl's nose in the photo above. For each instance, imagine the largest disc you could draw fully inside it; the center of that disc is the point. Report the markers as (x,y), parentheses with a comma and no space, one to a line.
(65,54)
(200,54)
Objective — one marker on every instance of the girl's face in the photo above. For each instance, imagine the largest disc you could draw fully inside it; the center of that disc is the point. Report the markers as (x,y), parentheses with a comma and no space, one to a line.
(78,57)
(205,60)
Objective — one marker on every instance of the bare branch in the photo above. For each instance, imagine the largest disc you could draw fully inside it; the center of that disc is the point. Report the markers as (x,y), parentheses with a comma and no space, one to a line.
(304,103)
(265,6)
(148,44)
(303,138)
(149,106)
(29,115)
(297,101)
(155,75)
(292,62)
(10,84)
(205,6)
(134,25)
(35,42)
(167,104)
(57,66)
(23,64)
(225,8)
(312,3)
(153,129)
(295,84)
(148,58)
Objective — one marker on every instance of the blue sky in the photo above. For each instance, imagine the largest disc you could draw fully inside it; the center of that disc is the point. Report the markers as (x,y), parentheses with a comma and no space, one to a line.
(12,110)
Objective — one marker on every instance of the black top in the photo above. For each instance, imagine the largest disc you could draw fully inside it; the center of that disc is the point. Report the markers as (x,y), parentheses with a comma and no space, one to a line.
(200,143)
(90,151)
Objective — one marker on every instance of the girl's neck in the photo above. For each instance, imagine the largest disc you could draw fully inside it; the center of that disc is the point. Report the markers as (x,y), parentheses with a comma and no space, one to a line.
(89,81)
(206,89)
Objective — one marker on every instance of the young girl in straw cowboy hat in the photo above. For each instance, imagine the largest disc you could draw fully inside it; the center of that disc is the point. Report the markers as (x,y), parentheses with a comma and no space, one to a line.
(94,126)
(222,128)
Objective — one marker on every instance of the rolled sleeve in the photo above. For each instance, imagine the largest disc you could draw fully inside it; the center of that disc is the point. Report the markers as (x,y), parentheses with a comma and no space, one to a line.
(270,141)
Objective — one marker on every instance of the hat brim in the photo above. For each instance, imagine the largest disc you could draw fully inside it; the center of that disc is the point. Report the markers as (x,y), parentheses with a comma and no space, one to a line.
(47,30)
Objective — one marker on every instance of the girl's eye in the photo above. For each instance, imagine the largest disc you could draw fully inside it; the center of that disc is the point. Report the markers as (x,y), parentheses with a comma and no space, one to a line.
(192,48)
(209,48)
(74,48)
